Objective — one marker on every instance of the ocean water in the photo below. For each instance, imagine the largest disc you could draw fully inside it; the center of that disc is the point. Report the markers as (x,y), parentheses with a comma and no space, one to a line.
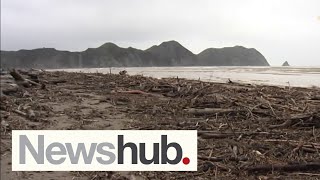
(280,76)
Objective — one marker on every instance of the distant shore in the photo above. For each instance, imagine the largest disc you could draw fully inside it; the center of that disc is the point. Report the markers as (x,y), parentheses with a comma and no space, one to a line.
(275,75)
(170,53)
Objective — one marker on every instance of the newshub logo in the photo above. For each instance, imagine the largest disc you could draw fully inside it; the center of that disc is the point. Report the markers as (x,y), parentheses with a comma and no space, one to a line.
(104,150)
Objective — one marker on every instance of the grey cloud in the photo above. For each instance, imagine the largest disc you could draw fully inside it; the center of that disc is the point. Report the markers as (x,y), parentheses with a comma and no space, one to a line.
(276,28)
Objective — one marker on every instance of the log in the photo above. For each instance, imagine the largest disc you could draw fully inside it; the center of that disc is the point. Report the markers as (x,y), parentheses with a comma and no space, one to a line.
(290,120)
(32,82)
(139,92)
(21,80)
(311,166)
(316,97)
(134,92)
(210,165)
(8,89)
(16,75)
(292,141)
(20,113)
(57,81)
(215,136)
(208,111)
(218,159)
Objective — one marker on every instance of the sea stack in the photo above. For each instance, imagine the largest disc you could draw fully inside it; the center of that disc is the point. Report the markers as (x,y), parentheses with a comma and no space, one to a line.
(286,63)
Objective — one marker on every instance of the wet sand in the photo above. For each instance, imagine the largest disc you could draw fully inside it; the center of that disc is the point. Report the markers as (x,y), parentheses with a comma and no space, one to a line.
(280,76)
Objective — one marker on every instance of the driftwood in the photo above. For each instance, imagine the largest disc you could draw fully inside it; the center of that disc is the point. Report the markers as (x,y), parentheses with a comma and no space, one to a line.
(8,85)
(58,81)
(311,166)
(20,113)
(316,97)
(34,77)
(16,75)
(229,81)
(208,111)
(316,145)
(9,89)
(2,95)
(233,132)
(210,165)
(30,114)
(124,72)
(218,159)
(134,92)
(290,120)
(217,135)
(32,82)
(21,80)
(139,92)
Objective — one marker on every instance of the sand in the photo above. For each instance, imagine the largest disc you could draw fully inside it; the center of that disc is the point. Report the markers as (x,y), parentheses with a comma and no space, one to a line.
(245,131)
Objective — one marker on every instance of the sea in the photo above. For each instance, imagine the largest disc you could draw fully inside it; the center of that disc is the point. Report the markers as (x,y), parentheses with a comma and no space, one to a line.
(279,76)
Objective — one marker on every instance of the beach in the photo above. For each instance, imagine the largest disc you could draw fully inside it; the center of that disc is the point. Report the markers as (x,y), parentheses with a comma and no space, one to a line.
(245,130)
(270,75)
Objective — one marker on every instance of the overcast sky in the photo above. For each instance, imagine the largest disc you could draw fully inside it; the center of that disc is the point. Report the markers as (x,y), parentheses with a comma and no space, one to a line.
(280,29)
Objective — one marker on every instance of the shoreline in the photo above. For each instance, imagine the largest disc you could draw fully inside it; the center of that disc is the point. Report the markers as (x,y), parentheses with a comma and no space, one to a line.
(241,127)
(279,76)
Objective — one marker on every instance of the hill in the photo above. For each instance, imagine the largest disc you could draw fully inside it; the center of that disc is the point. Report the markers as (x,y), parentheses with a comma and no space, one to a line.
(170,53)
(232,56)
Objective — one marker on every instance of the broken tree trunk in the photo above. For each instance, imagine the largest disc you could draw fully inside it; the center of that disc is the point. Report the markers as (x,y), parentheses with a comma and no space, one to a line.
(208,111)
(16,75)
(311,166)
(290,120)
(8,89)
(139,92)
(21,80)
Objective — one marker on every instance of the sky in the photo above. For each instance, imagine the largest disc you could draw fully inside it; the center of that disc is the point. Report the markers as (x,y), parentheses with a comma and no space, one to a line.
(282,30)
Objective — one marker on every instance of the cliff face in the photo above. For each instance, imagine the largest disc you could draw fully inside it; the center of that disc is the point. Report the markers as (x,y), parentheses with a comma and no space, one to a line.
(110,55)
(232,56)
(169,53)
(172,54)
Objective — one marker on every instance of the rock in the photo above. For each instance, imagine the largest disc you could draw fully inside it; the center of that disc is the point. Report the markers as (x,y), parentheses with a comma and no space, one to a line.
(286,63)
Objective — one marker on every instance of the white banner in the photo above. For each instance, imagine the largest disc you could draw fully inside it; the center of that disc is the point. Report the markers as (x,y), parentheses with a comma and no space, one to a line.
(104,150)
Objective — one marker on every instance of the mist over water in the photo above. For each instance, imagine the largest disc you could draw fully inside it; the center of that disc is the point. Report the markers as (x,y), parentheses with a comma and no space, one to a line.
(282,76)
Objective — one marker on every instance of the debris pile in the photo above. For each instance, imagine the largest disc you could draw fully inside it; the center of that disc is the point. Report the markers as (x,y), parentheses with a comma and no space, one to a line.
(244,130)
